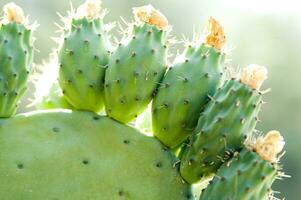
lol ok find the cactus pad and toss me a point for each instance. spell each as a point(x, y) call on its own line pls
point(81, 155)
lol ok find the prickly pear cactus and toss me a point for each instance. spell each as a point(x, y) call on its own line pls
point(16, 57)
point(83, 57)
point(175, 108)
point(194, 127)
point(137, 66)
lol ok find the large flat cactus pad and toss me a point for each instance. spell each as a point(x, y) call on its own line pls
point(68, 155)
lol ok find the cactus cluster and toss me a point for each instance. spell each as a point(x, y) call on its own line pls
point(86, 142)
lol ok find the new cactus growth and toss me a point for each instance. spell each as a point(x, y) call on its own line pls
point(192, 129)
point(224, 125)
point(137, 66)
point(83, 57)
point(250, 174)
point(16, 57)
point(176, 108)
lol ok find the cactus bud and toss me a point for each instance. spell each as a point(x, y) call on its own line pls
point(148, 14)
point(254, 76)
point(270, 146)
point(215, 34)
point(13, 13)
point(90, 9)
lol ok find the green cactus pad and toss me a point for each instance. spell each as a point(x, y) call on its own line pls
point(222, 128)
point(16, 57)
point(184, 92)
point(135, 70)
point(83, 58)
point(246, 177)
point(75, 155)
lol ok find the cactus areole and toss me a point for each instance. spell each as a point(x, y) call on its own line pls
point(117, 121)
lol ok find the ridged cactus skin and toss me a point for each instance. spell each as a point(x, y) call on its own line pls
point(16, 60)
point(222, 129)
point(245, 177)
point(184, 92)
point(135, 71)
point(83, 57)
point(76, 155)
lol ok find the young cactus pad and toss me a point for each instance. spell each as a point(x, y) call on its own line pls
point(16, 57)
point(194, 129)
point(176, 108)
point(250, 174)
point(137, 66)
point(224, 125)
point(83, 57)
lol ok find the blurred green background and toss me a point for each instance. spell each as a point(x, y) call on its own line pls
point(266, 32)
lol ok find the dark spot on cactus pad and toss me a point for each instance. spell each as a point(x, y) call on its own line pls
point(95, 118)
point(120, 193)
point(126, 141)
point(56, 129)
point(159, 164)
point(85, 162)
point(20, 165)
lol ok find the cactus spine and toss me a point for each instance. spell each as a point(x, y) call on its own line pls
point(186, 87)
point(222, 128)
point(137, 66)
point(16, 58)
point(250, 174)
point(83, 57)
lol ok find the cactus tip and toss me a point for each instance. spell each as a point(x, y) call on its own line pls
point(148, 14)
point(215, 35)
point(254, 76)
point(13, 13)
point(269, 146)
point(89, 9)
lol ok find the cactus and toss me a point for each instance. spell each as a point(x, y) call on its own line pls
point(228, 119)
point(137, 66)
point(250, 174)
point(16, 57)
point(83, 57)
point(175, 108)
point(71, 151)
point(70, 156)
